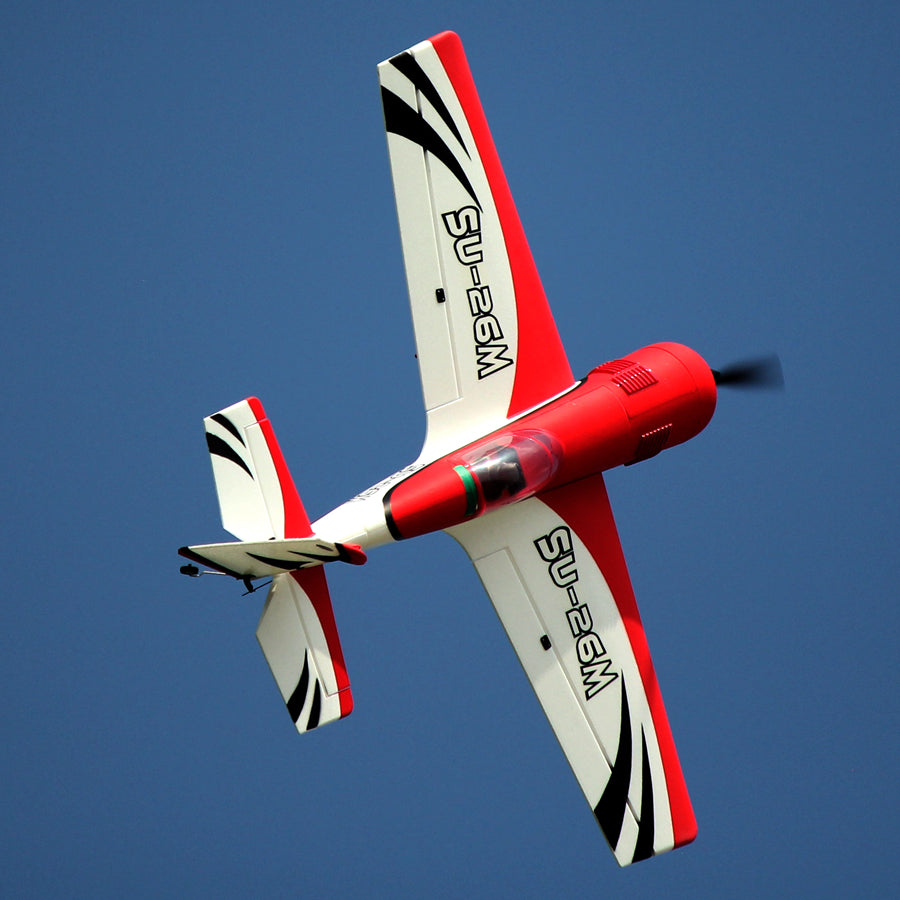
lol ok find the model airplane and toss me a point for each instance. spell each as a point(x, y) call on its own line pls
point(511, 467)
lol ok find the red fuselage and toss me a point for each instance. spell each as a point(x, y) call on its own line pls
point(623, 412)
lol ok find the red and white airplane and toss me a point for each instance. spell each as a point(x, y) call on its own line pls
point(511, 467)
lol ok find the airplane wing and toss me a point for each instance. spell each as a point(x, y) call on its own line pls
point(554, 569)
point(487, 345)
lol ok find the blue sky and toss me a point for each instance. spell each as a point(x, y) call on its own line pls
point(196, 206)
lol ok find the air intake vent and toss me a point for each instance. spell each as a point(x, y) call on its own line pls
point(651, 443)
point(634, 379)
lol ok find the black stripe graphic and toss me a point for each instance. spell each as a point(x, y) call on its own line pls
point(406, 63)
point(389, 516)
point(228, 425)
point(218, 447)
point(297, 700)
point(304, 559)
point(403, 120)
point(187, 553)
point(610, 811)
point(643, 849)
point(316, 708)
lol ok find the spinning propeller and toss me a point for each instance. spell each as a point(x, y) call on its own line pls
point(760, 372)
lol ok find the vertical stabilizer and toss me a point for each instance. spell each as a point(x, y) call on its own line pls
point(257, 497)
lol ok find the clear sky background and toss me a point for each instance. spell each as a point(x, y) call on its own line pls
point(196, 206)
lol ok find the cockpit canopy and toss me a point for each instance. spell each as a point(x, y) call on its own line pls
point(514, 467)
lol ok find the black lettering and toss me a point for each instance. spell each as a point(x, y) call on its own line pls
point(555, 548)
point(580, 621)
point(468, 249)
point(595, 678)
point(563, 571)
point(480, 301)
point(490, 359)
point(589, 648)
point(463, 221)
point(464, 225)
point(551, 546)
point(487, 328)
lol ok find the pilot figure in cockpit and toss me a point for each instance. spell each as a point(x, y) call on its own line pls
point(500, 471)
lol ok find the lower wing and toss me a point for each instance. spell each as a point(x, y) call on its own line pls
point(555, 573)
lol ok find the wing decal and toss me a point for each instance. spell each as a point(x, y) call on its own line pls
point(542, 369)
point(228, 425)
point(585, 505)
point(407, 64)
point(297, 700)
point(643, 849)
point(404, 121)
point(613, 804)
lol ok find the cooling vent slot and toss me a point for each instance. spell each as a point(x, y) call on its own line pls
point(613, 366)
point(627, 374)
point(651, 443)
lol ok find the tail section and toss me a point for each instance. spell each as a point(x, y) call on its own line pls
point(262, 559)
point(257, 497)
point(261, 507)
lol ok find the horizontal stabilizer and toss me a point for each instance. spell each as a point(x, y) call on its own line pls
point(298, 637)
point(261, 559)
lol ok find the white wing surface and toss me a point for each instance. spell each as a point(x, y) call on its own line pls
point(298, 637)
point(487, 345)
point(257, 497)
point(262, 559)
point(555, 573)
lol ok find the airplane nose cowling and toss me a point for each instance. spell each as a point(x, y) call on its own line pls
point(677, 407)
point(630, 409)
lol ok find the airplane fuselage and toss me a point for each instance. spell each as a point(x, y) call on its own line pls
point(624, 411)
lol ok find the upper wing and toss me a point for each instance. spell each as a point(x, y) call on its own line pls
point(487, 345)
point(556, 575)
